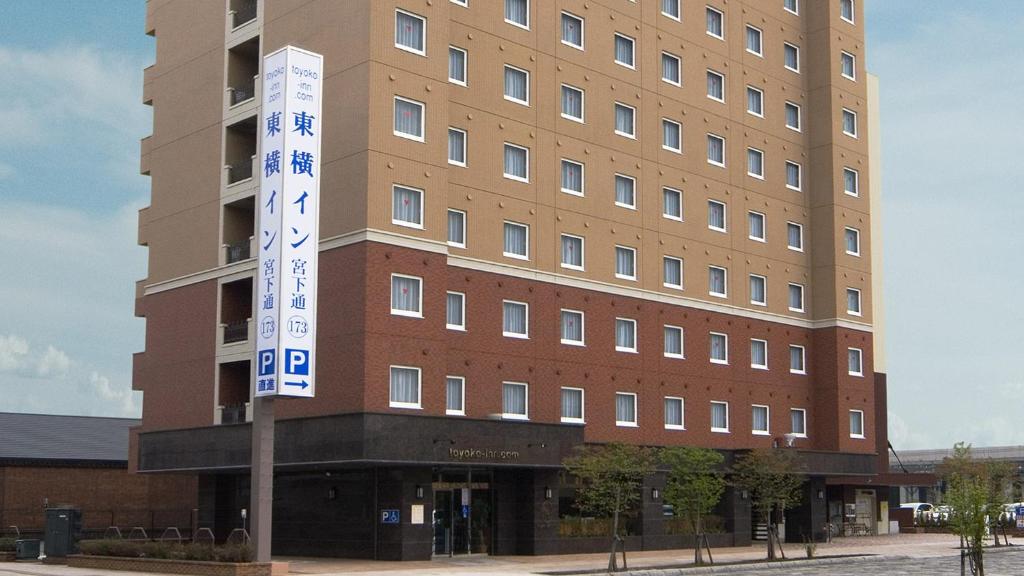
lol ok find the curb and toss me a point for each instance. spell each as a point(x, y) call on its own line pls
point(758, 566)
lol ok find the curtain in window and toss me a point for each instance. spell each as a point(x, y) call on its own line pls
point(572, 102)
point(792, 57)
point(673, 272)
point(454, 403)
point(714, 22)
point(673, 341)
point(796, 297)
point(795, 240)
point(856, 423)
point(454, 314)
point(572, 326)
point(670, 7)
point(753, 40)
point(757, 289)
point(715, 86)
point(718, 347)
point(572, 30)
point(853, 300)
point(796, 358)
point(847, 65)
point(625, 334)
point(760, 419)
point(716, 150)
point(852, 242)
point(846, 9)
point(572, 404)
point(796, 422)
point(624, 50)
point(719, 416)
point(405, 385)
point(625, 262)
point(755, 162)
point(406, 205)
point(515, 161)
point(515, 239)
point(517, 11)
point(515, 84)
point(625, 408)
point(623, 119)
point(792, 116)
point(457, 146)
point(673, 412)
point(624, 190)
point(793, 174)
point(408, 118)
point(456, 227)
point(456, 65)
point(572, 176)
point(853, 360)
point(716, 215)
point(670, 68)
point(758, 353)
point(670, 135)
point(405, 294)
point(716, 280)
point(672, 203)
point(849, 122)
point(514, 318)
point(850, 181)
point(572, 251)
point(408, 31)
point(754, 101)
point(790, 5)
point(513, 399)
point(756, 225)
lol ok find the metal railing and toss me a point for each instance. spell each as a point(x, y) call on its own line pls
point(233, 414)
point(240, 171)
point(244, 13)
point(236, 331)
point(238, 251)
point(239, 95)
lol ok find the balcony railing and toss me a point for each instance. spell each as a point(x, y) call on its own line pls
point(233, 413)
point(238, 251)
point(242, 94)
point(244, 13)
point(239, 171)
point(236, 331)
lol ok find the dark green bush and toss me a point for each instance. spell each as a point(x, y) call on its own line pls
point(6, 544)
point(166, 550)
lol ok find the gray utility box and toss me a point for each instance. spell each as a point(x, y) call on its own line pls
point(63, 529)
point(26, 549)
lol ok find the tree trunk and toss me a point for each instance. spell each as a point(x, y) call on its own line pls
point(979, 562)
point(612, 562)
point(771, 542)
point(698, 550)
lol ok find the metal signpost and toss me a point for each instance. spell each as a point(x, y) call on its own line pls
point(289, 210)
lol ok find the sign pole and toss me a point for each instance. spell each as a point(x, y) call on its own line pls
point(261, 489)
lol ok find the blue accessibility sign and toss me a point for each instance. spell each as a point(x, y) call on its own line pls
point(389, 516)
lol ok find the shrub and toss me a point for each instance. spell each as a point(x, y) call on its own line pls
point(6, 544)
point(166, 550)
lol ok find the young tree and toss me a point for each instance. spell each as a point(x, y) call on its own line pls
point(973, 493)
point(773, 478)
point(694, 487)
point(611, 477)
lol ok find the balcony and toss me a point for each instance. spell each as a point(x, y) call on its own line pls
point(236, 331)
point(234, 413)
point(242, 12)
point(243, 77)
point(240, 152)
point(236, 325)
point(238, 251)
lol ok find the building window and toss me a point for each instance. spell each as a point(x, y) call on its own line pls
point(517, 241)
point(719, 416)
point(463, 3)
point(517, 85)
point(759, 425)
point(795, 236)
point(793, 116)
point(716, 150)
point(455, 318)
point(791, 57)
point(796, 298)
point(515, 322)
point(625, 335)
point(410, 32)
point(758, 290)
point(848, 65)
point(517, 13)
point(846, 10)
point(849, 123)
point(408, 119)
point(625, 409)
point(407, 206)
point(572, 327)
point(572, 252)
point(797, 359)
point(625, 120)
point(794, 174)
point(754, 41)
point(853, 302)
point(670, 8)
point(624, 53)
point(673, 342)
point(716, 215)
point(457, 65)
point(719, 348)
point(716, 86)
point(717, 281)
point(856, 423)
point(517, 163)
point(674, 413)
point(670, 69)
point(456, 228)
point(456, 146)
point(406, 296)
point(756, 226)
point(755, 101)
point(759, 354)
point(672, 204)
point(572, 30)
point(405, 387)
point(755, 163)
point(572, 177)
point(625, 263)
point(852, 241)
point(514, 401)
point(625, 191)
point(455, 398)
point(572, 405)
point(854, 361)
point(851, 182)
point(715, 26)
point(798, 422)
point(572, 103)
point(673, 273)
point(671, 136)
point(791, 6)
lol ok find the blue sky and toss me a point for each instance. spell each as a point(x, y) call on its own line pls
point(71, 118)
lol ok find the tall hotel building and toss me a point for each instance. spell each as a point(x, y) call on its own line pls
point(544, 223)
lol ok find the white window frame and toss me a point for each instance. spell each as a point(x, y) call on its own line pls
point(796, 11)
point(790, 246)
point(526, 307)
point(860, 436)
point(419, 304)
point(526, 401)
point(583, 253)
point(803, 417)
point(583, 328)
point(583, 177)
point(517, 24)
point(860, 302)
point(465, 225)
point(405, 223)
point(410, 49)
point(682, 342)
point(856, 123)
point(803, 299)
point(713, 360)
point(513, 176)
point(722, 139)
point(856, 234)
point(419, 389)
point(721, 17)
point(860, 362)
point(512, 254)
point(583, 406)
point(853, 11)
point(725, 272)
point(679, 127)
point(513, 99)
point(633, 180)
point(767, 421)
point(423, 120)
point(799, 117)
point(679, 11)
point(631, 136)
point(856, 182)
point(760, 94)
point(448, 411)
point(786, 66)
point(682, 413)
point(764, 227)
point(726, 429)
point(761, 154)
point(583, 104)
point(465, 145)
point(679, 69)
point(677, 192)
point(803, 359)
point(711, 72)
point(853, 60)
point(459, 327)
point(463, 3)
point(583, 30)
point(635, 263)
point(465, 67)
point(764, 279)
point(760, 41)
point(799, 177)
point(725, 217)
point(752, 364)
point(636, 411)
point(632, 42)
point(664, 281)
point(636, 337)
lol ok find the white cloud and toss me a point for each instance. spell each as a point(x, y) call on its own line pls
point(121, 397)
point(13, 351)
point(53, 364)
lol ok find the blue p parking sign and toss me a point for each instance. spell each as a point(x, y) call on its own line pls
point(389, 517)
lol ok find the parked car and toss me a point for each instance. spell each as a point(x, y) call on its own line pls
point(922, 510)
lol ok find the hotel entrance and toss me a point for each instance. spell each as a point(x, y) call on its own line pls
point(463, 512)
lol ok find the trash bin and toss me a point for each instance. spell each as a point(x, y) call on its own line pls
point(63, 529)
point(26, 549)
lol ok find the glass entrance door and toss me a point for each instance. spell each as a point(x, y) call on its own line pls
point(463, 517)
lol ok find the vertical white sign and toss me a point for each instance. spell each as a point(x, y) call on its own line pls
point(289, 208)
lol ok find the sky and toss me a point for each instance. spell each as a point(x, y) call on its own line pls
point(71, 117)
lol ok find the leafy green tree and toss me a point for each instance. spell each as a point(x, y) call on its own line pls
point(610, 480)
point(974, 490)
point(773, 478)
point(694, 487)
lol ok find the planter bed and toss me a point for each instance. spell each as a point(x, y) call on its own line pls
point(162, 566)
point(7, 557)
